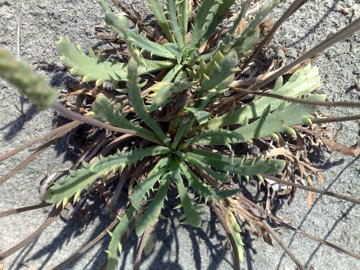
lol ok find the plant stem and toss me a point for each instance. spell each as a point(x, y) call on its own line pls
point(53, 133)
point(219, 212)
point(141, 247)
point(292, 9)
point(53, 214)
point(346, 104)
point(342, 34)
point(320, 191)
point(25, 162)
point(297, 230)
point(336, 119)
point(282, 244)
point(23, 209)
point(90, 121)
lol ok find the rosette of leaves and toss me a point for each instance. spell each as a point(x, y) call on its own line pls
point(185, 155)
point(187, 144)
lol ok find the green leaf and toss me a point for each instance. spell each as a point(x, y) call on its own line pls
point(153, 210)
point(245, 48)
point(218, 16)
point(148, 66)
point(183, 17)
point(81, 179)
point(201, 116)
point(195, 182)
point(279, 120)
point(100, 70)
point(103, 110)
point(218, 176)
point(237, 166)
point(181, 131)
point(259, 17)
point(171, 10)
point(138, 103)
point(235, 232)
point(123, 228)
point(154, 176)
point(214, 137)
point(225, 45)
point(90, 67)
point(119, 24)
point(172, 73)
point(203, 17)
point(300, 83)
point(163, 91)
point(161, 19)
point(192, 217)
point(173, 48)
point(30, 84)
point(221, 73)
point(222, 194)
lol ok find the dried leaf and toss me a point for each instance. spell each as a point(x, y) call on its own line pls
point(241, 27)
point(266, 26)
point(332, 144)
point(310, 199)
point(280, 152)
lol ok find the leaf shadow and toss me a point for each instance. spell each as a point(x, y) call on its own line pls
point(307, 215)
point(15, 126)
point(317, 25)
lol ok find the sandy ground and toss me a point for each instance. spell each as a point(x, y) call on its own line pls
point(41, 24)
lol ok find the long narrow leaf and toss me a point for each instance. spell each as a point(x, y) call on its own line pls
point(225, 45)
point(138, 103)
point(153, 210)
point(93, 68)
point(195, 182)
point(183, 17)
point(259, 17)
point(300, 83)
point(89, 66)
point(115, 244)
point(236, 165)
point(103, 110)
point(171, 9)
point(163, 91)
point(192, 217)
point(142, 189)
point(172, 73)
point(161, 19)
point(280, 120)
point(119, 24)
point(224, 69)
point(214, 137)
point(77, 181)
point(202, 166)
point(204, 12)
point(219, 16)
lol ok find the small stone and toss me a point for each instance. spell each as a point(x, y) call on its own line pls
point(357, 85)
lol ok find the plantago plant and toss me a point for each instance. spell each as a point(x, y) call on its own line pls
point(178, 98)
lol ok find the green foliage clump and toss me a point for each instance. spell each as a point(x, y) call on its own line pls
point(194, 131)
